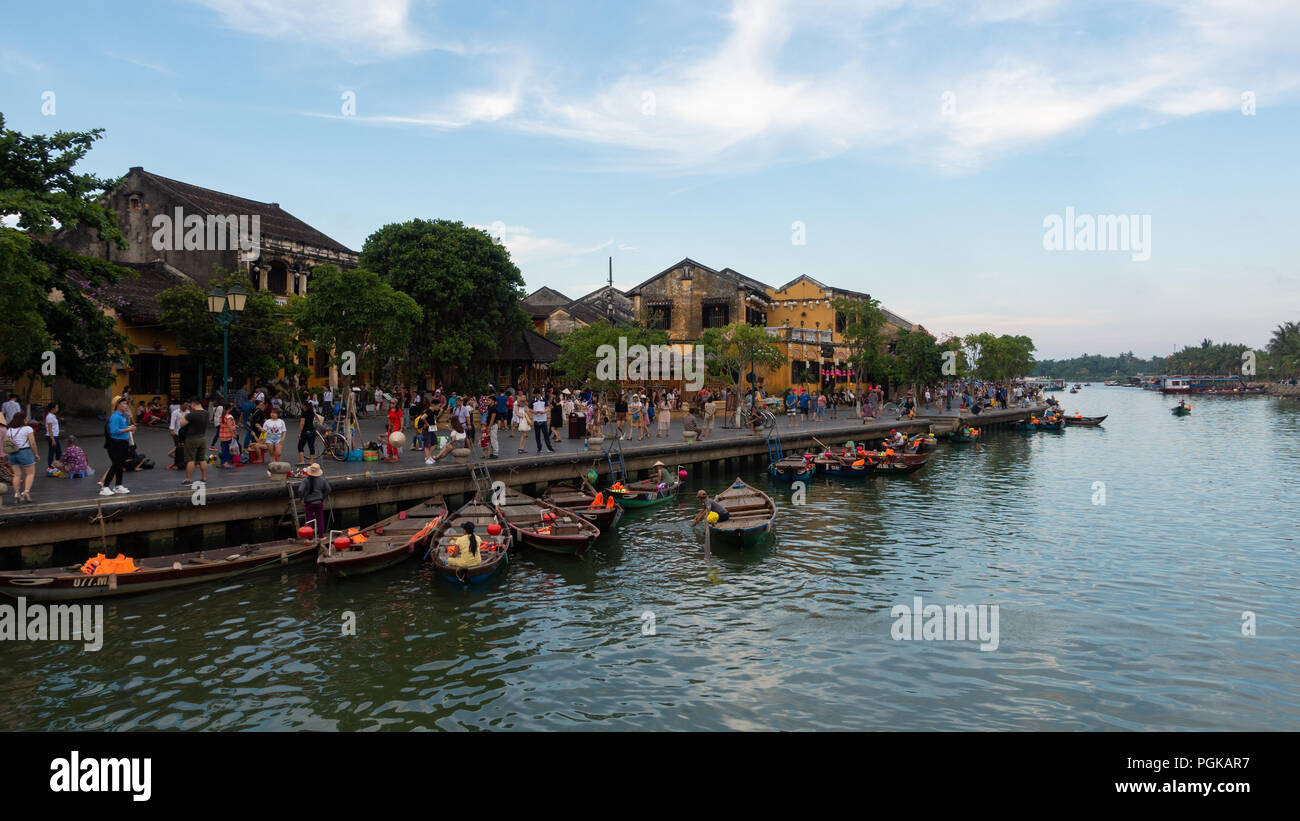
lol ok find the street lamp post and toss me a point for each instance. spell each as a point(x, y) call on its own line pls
point(227, 306)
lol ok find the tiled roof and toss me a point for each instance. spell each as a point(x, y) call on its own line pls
point(137, 297)
point(726, 273)
point(545, 296)
point(274, 220)
point(527, 346)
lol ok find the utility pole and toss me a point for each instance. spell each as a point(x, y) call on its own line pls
point(609, 294)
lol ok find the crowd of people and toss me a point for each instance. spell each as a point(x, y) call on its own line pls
point(257, 426)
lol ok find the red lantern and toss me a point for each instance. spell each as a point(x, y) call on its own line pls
point(342, 543)
point(306, 532)
point(494, 529)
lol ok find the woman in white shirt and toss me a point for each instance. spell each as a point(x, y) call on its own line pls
point(52, 433)
point(274, 428)
point(456, 440)
point(522, 421)
point(23, 460)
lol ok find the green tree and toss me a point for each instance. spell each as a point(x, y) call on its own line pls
point(52, 299)
point(355, 312)
point(961, 366)
point(580, 350)
point(1284, 350)
point(1001, 358)
point(263, 341)
point(920, 360)
point(737, 350)
point(865, 336)
point(464, 282)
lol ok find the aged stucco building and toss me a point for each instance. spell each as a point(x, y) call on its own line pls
point(178, 233)
point(687, 298)
point(803, 318)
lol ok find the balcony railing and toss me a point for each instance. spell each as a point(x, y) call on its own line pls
point(811, 336)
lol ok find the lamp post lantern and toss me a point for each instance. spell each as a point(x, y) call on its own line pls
point(226, 306)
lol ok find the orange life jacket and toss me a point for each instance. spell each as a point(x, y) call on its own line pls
point(609, 503)
point(355, 535)
point(599, 501)
point(101, 565)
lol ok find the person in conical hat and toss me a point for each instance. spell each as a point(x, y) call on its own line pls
point(663, 476)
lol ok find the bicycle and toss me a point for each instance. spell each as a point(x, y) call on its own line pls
point(335, 443)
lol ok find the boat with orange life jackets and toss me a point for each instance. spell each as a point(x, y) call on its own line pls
point(596, 506)
point(845, 464)
point(889, 461)
point(389, 541)
point(121, 575)
point(647, 492)
point(495, 541)
point(545, 526)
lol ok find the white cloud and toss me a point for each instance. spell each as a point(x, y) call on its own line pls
point(789, 82)
point(135, 61)
point(526, 248)
point(382, 26)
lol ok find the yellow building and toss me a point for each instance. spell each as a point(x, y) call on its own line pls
point(275, 250)
point(802, 317)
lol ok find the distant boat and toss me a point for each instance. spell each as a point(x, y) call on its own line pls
point(792, 468)
point(1181, 410)
point(1084, 421)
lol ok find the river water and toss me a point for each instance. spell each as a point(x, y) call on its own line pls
point(1123, 611)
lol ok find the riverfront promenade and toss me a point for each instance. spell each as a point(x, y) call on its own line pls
point(159, 505)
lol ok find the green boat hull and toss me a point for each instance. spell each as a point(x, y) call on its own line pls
point(633, 504)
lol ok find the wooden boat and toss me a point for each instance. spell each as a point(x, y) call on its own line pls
point(1025, 424)
point(1084, 421)
point(645, 493)
point(156, 572)
point(963, 434)
point(493, 550)
point(385, 543)
point(1052, 423)
point(578, 497)
point(540, 524)
point(1074, 390)
point(896, 463)
point(752, 513)
point(842, 465)
point(792, 468)
point(1181, 410)
point(921, 443)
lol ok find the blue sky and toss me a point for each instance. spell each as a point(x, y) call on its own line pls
point(921, 145)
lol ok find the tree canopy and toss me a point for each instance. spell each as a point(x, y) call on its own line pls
point(463, 281)
point(1001, 358)
point(262, 339)
point(578, 349)
point(355, 311)
point(919, 359)
point(737, 350)
point(50, 296)
point(864, 334)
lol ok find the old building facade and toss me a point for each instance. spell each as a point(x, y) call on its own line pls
point(178, 233)
point(804, 320)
